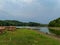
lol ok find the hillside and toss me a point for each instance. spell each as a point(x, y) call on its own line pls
point(55, 23)
point(19, 23)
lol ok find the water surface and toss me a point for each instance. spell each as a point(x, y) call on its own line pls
point(41, 29)
point(45, 30)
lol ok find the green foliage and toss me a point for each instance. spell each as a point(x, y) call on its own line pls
point(55, 23)
point(17, 23)
point(33, 24)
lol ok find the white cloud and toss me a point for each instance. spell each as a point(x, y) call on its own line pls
point(27, 1)
point(30, 8)
point(1, 7)
point(21, 1)
point(1, 4)
point(13, 1)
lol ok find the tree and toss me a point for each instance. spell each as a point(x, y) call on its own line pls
point(55, 23)
point(33, 24)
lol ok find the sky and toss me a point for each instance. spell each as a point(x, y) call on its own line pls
point(42, 11)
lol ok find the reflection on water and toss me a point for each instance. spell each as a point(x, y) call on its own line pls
point(42, 29)
point(38, 28)
point(54, 31)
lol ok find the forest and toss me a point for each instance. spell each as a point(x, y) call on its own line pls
point(55, 23)
point(18, 23)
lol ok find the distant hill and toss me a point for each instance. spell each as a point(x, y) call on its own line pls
point(55, 23)
point(19, 23)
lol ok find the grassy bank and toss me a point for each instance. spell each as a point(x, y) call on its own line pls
point(26, 37)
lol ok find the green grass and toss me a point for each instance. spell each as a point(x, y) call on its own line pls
point(26, 37)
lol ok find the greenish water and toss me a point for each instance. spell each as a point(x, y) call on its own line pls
point(45, 30)
point(41, 29)
point(53, 30)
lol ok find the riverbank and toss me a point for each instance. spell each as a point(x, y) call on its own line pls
point(27, 37)
point(55, 28)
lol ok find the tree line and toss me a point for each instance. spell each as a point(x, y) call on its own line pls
point(55, 23)
point(17, 23)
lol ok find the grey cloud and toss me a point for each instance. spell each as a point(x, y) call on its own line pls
point(41, 11)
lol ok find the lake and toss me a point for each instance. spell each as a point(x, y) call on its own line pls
point(45, 30)
point(41, 29)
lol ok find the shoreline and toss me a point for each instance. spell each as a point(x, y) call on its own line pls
point(49, 35)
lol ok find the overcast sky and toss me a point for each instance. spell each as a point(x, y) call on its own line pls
point(41, 11)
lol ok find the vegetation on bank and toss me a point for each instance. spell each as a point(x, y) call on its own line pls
point(19, 23)
point(26, 37)
point(55, 23)
point(55, 26)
